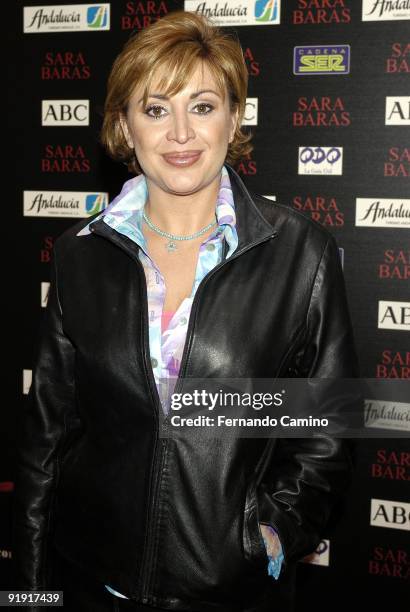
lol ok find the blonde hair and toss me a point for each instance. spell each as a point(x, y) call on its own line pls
point(174, 44)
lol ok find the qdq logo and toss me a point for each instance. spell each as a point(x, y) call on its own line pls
point(383, 414)
point(385, 10)
point(398, 110)
point(44, 289)
point(321, 59)
point(63, 203)
point(251, 112)
point(27, 378)
point(320, 161)
point(394, 315)
point(391, 514)
point(61, 113)
point(382, 213)
point(320, 556)
point(237, 12)
point(66, 18)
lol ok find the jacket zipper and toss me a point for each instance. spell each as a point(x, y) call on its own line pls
point(155, 471)
point(184, 358)
point(103, 229)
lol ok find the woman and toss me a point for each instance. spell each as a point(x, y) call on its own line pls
point(186, 274)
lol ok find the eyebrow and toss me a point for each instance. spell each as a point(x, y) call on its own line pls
point(193, 95)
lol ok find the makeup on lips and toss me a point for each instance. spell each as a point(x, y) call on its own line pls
point(182, 158)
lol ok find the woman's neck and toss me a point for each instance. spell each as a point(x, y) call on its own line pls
point(182, 214)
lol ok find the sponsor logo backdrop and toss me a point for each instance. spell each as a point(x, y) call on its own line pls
point(329, 107)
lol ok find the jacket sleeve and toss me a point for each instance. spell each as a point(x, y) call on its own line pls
point(306, 477)
point(43, 425)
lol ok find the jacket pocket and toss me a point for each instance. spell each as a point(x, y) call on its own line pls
point(253, 544)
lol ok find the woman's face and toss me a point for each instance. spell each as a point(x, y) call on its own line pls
point(186, 122)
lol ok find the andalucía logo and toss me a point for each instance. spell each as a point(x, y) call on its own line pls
point(63, 203)
point(66, 18)
point(385, 10)
point(95, 202)
point(382, 213)
point(321, 59)
point(266, 10)
point(97, 17)
point(237, 12)
point(382, 414)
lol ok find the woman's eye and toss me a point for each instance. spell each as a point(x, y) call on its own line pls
point(205, 104)
point(155, 108)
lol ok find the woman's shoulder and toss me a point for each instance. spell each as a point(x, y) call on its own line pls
point(68, 236)
point(286, 219)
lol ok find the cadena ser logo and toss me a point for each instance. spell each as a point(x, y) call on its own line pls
point(66, 18)
point(321, 59)
point(237, 12)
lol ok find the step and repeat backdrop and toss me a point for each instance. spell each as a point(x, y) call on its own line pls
point(329, 107)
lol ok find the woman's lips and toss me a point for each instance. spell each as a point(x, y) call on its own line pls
point(183, 159)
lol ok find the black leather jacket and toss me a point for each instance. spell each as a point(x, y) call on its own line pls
point(172, 524)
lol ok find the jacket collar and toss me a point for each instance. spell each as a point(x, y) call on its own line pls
point(125, 213)
point(251, 225)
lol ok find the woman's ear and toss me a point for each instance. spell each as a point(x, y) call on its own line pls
point(125, 130)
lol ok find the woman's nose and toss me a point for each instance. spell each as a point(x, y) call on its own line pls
point(181, 129)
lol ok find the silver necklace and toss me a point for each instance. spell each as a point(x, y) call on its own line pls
point(171, 246)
